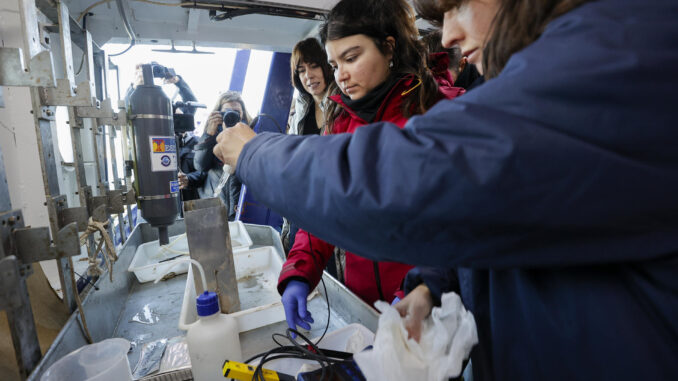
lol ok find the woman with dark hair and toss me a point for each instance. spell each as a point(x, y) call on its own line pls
point(552, 187)
point(380, 67)
point(312, 77)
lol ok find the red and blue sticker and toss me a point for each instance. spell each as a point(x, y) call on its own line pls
point(163, 153)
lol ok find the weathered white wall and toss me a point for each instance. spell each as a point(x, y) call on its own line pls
point(18, 139)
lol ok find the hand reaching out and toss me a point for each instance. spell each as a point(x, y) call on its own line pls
point(414, 308)
point(230, 143)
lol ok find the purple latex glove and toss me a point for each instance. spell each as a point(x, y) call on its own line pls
point(294, 302)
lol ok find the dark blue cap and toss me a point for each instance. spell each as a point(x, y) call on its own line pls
point(207, 303)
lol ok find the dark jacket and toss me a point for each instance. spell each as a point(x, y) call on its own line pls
point(370, 280)
point(205, 161)
point(196, 179)
point(557, 202)
point(186, 95)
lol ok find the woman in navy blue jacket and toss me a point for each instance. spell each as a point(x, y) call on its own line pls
point(553, 187)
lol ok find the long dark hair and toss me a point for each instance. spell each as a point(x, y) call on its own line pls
point(517, 24)
point(311, 52)
point(379, 19)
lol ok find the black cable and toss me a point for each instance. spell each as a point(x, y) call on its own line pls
point(82, 61)
point(297, 350)
point(327, 299)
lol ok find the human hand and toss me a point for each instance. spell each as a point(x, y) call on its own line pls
point(171, 80)
point(213, 122)
point(183, 180)
point(138, 76)
point(231, 141)
point(414, 308)
point(294, 303)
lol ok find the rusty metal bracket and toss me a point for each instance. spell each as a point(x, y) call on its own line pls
point(35, 245)
point(9, 220)
point(99, 214)
point(113, 202)
point(62, 95)
point(13, 71)
point(129, 197)
point(78, 215)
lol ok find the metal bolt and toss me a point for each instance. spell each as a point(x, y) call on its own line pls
point(49, 112)
point(11, 220)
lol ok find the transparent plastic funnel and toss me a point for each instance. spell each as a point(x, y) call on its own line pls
point(102, 361)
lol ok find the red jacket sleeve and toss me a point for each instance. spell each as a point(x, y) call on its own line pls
point(302, 263)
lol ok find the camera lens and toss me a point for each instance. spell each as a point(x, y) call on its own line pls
point(230, 117)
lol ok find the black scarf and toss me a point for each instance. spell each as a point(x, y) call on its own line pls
point(368, 106)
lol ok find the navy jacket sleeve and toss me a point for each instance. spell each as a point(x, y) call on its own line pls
point(555, 162)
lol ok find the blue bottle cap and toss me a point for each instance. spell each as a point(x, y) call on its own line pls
point(207, 303)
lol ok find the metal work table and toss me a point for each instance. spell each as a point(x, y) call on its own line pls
point(109, 311)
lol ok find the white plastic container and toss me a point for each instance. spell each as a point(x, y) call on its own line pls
point(212, 339)
point(102, 361)
point(257, 271)
point(240, 239)
point(147, 265)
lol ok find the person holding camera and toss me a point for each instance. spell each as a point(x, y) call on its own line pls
point(205, 160)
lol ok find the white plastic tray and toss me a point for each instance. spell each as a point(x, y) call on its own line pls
point(146, 264)
point(257, 271)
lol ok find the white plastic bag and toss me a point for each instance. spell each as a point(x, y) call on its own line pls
point(447, 337)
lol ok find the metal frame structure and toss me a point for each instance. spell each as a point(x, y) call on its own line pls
point(93, 123)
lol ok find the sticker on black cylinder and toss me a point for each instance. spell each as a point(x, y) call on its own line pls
point(174, 186)
point(163, 153)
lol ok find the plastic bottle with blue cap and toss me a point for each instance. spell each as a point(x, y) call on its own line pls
point(213, 338)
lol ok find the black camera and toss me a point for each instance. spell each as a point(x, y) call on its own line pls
point(160, 71)
point(183, 123)
point(230, 117)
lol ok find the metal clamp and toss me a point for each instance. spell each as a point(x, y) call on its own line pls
point(129, 197)
point(13, 72)
point(103, 114)
point(62, 95)
point(34, 244)
point(77, 215)
point(113, 201)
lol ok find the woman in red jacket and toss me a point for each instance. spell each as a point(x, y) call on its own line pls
point(380, 67)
